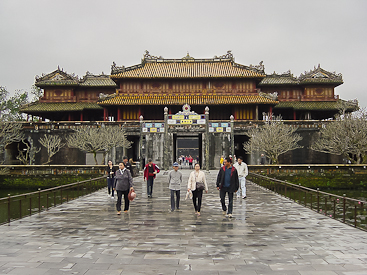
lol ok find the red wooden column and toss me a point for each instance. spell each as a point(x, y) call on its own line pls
point(270, 111)
point(294, 115)
point(118, 114)
point(81, 116)
point(105, 114)
point(69, 117)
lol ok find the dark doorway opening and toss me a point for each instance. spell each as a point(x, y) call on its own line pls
point(188, 146)
point(238, 147)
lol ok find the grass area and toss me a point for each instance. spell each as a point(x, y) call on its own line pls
point(325, 181)
point(33, 182)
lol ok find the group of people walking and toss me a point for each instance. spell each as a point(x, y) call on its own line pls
point(230, 179)
point(187, 161)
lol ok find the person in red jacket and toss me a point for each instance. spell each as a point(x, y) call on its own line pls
point(150, 171)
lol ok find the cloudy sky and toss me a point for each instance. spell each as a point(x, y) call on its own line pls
point(79, 36)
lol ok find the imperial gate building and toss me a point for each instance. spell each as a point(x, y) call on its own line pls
point(201, 107)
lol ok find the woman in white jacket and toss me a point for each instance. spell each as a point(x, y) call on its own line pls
point(197, 177)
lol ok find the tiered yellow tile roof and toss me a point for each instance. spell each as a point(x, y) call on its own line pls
point(188, 70)
point(188, 67)
point(185, 99)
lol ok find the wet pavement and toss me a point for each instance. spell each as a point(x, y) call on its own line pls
point(267, 235)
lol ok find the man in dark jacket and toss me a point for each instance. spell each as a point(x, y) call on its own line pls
point(128, 165)
point(227, 182)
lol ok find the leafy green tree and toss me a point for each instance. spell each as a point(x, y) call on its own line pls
point(10, 106)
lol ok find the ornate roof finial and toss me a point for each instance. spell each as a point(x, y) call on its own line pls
point(187, 57)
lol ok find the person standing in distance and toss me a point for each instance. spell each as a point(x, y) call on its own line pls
point(123, 184)
point(227, 182)
point(242, 171)
point(127, 165)
point(150, 171)
point(110, 169)
point(175, 180)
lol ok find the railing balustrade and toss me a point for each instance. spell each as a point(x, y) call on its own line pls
point(19, 206)
point(347, 210)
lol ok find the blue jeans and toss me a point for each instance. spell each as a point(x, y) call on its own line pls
point(173, 192)
point(223, 200)
point(150, 186)
point(110, 186)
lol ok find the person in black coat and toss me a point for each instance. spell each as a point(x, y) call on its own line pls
point(127, 165)
point(110, 170)
point(227, 182)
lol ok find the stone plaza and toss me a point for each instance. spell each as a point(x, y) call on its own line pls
point(268, 234)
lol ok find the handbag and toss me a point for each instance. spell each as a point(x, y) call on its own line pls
point(132, 195)
point(200, 186)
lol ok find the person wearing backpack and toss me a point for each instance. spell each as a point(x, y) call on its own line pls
point(197, 184)
point(227, 182)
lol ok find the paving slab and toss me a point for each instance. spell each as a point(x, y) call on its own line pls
point(268, 234)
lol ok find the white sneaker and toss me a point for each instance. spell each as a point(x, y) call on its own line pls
point(230, 216)
point(108, 195)
point(112, 198)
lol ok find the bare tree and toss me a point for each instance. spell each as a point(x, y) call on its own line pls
point(346, 136)
point(115, 137)
point(93, 140)
point(10, 132)
point(274, 138)
point(89, 140)
point(53, 144)
point(28, 155)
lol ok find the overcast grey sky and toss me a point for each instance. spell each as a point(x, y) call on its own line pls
point(79, 36)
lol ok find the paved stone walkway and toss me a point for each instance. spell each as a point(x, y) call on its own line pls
point(268, 235)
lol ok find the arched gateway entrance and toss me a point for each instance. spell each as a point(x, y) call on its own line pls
point(183, 134)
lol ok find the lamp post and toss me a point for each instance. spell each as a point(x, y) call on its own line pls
point(141, 143)
point(165, 146)
point(207, 138)
point(232, 136)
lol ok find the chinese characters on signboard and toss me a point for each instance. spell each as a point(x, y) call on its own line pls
point(186, 119)
point(153, 127)
point(219, 127)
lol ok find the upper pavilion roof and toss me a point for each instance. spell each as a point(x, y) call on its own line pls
point(61, 78)
point(188, 67)
point(57, 78)
point(280, 79)
point(90, 80)
point(315, 76)
point(319, 75)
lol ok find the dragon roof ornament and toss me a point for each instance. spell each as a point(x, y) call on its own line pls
point(147, 55)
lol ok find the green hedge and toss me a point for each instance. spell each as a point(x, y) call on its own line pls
point(40, 181)
point(325, 181)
